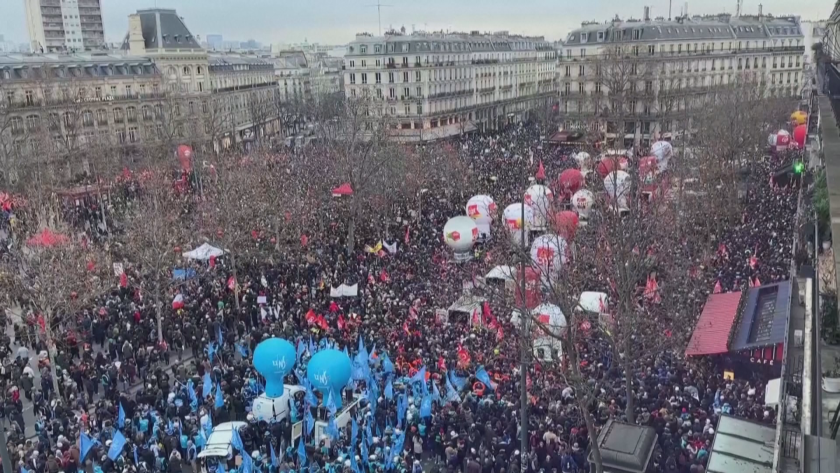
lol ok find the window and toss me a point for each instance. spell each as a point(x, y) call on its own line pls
point(408, 109)
point(390, 77)
point(379, 93)
point(392, 93)
point(352, 92)
point(405, 76)
point(417, 77)
point(569, 53)
point(364, 63)
point(581, 70)
point(582, 52)
point(118, 115)
point(33, 122)
point(651, 50)
point(406, 92)
point(568, 71)
point(600, 36)
point(352, 63)
point(377, 48)
point(120, 134)
point(201, 86)
point(113, 90)
point(132, 134)
point(598, 87)
point(580, 87)
point(419, 91)
point(363, 49)
point(378, 78)
point(352, 78)
point(419, 109)
point(131, 113)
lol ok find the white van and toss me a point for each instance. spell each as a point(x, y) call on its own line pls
point(276, 409)
point(343, 417)
point(218, 444)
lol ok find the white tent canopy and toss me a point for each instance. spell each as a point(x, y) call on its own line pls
point(345, 291)
point(504, 273)
point(469, 305)
point(203, 252)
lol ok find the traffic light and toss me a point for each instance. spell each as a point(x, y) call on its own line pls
point(798, 167)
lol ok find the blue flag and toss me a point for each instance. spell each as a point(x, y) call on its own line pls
point(220, 400)
point(242, 350)
point(353, 464)
point(23, 470)
point(457, 381)
point(301, 452)
point(310, 421)
point(117, 444)
point(435, 392)
point(274, 461)
point(426, 407)
point(331, 408)
point(481, 375)
point(451, 394)
point(219, 337)
point(312, 347)
point(389, 390)
point(387, 365)
point(247, 463)
point(309, 397)
point(210, 349)
point(332, 428)
point(121, 417)
point(85, 444)
point(354, 432)
point(236, 442)
point(136, 461)
point(301, 347)
point(717, 399)
point(221, 468)
point(362, 348)
point(207, 385)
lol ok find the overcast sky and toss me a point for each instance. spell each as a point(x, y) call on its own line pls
point(337, 21)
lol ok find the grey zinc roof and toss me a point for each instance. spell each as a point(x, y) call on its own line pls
point(163, 28)
point(689, 29)
point(423, 43)
point(625, 447)
point(742, 446)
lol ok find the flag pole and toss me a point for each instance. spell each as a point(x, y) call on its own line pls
point(524, 349)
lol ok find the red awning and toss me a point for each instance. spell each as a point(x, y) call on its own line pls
point(711, 334)
point(343, 189)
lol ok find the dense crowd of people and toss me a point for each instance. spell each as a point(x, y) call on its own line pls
point(111, 362)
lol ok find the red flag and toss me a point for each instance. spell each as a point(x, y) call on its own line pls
point(540, 172)
point(213, 261)
point(412, 313)
point(753, 261)
point(371, 279)
point(231, 283)
point(463, 356)
point(722, 251)
point(475, 319)
point(333, 307)
point(488, 315)
point(441, 364)
point(42, 323)
point(304, 240)
point(500, 334)
point(756, 282)
point(717, 289)
point(322, 322)
point(405, 328)
point(123, 280)
point(341, 323)
point(311, 317)
point(91, 265)
point(407, 231)
point(383, 276)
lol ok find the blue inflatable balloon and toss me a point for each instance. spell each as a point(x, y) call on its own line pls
point(329, 370)
point(274, 359)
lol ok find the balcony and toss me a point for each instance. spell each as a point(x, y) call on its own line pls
point(405, 66)
point(102, 122)
point(391, 65)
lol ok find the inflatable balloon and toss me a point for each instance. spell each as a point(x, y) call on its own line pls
point(610, 164)
point(800, 133)
point(274, 358)
point(780, 140)
point(481, 208)
point(460, 233)
point(328, 371)
point(550, 319)
point(539, 198)
point(185, 153)
point(548, 253)
point(617, 184)
point(584, 161)
point(571, 180)
point(663, 151)
point(582, 201)
point(798, 117)
point(566, 223)
point(513, 217)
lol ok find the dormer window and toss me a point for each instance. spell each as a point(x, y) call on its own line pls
point(363, 49)
point(571, 37)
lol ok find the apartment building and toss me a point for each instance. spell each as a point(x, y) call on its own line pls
point(304, 76)
point(222, 83)
point(684, 59)
point(440, 84)
point(74, 100)
point(64, 25)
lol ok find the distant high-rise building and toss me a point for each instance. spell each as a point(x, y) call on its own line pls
point(69, 25)
point(214, 41)
point(250, 44)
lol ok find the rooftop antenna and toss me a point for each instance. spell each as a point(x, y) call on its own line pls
point(738, 8)
point(379, 6)
point(669, 9)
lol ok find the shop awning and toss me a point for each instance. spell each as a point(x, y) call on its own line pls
point(711, 334)
point(765, 315)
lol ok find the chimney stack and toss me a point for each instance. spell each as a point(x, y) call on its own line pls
point(136, 43)
point(760, 11)
point(647, 15)
point(686, 10)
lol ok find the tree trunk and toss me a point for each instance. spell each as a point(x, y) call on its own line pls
point(351, 235)
point(50, 348)
point(235, 280)
point(630, 411)
point(593, 435)
point(159, 314)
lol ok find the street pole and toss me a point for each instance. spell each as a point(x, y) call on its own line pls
point(4, 452)
point(524, 349)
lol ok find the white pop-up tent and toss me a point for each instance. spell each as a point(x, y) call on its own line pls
point(502, 273)
point(345, 291)
point(203, 252)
